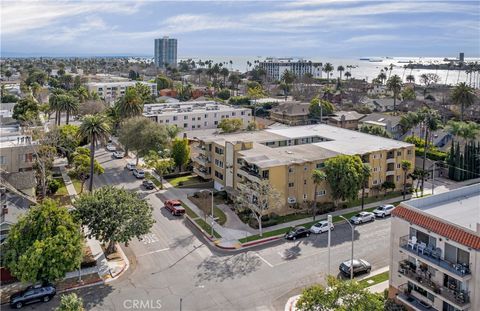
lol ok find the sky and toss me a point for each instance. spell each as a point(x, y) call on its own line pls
point(329, 28)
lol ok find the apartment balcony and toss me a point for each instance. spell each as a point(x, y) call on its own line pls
point(200, 149)
point(202, 160)
point(390, 173)
point(434, 256)
point(390, 160)
point(459, 298)
point(249, 174)
point(406, 297)
point(202, 172)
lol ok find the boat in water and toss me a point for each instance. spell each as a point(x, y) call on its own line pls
point(375, 60)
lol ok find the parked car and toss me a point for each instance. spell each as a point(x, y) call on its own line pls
point(148, 184)
point(32, 294)
point(384, 210)
point(111, 148)
point(175, 207)
point(130, 166)
point(119, 154)
point(359, 266)
point(362, 217)
point(140, 174)
point(321, 226)
point(296, 233)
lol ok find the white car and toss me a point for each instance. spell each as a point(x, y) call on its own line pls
point(119, 154)
point(140, 174)
point(362, 217)
point(321, 226)
point(130, 166)
point(111, 148)
point(384, 210)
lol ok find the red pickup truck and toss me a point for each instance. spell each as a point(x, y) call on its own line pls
point(174, 207)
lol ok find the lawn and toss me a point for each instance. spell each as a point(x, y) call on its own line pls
point(185, 180)
point(189, 212)
point(77, 184)
point(379, 278)
point(62, 194)
point(155, 181)
point(220, 216)
point(207, 227)
point(373, 199)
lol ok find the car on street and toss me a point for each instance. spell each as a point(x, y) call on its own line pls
point(111, 148)
point(321, 226)
point(139, 173)
point(119, 154)
point(174, 207)
point(148, 184)
point(359, 266)
point(32, 294)
point(130, 166)
point(384, 210)
point(296, 233)
point(362, 217)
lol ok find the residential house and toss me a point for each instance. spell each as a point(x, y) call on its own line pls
point(345, 119)
point(291, 113)
point(391, 124)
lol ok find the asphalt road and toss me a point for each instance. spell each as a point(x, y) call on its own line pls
point(172, 268)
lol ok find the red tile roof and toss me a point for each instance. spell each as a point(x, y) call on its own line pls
point(441, 228)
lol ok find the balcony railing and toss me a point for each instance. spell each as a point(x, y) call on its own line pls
point(458, 297)
point(202, 160)
point(250, 171)
point(202, 173)
point(433, 255)
point(407, 298)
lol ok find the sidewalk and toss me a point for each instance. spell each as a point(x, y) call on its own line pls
point(107, 270)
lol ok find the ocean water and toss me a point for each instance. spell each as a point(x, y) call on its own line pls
point(364, 69)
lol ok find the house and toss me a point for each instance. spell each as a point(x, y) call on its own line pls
point(291, 113)
point(380, 104)
point(345, 119)
point(435, 251)
point(168, 92)
point(12, 207)
point(391, 124)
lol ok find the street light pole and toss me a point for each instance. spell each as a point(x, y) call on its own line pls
point(329, 219)
point(211, 233)
point(353, 236)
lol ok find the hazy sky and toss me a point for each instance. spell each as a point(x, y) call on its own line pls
point(327, 28)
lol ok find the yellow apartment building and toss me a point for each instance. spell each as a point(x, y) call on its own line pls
point(287, 157)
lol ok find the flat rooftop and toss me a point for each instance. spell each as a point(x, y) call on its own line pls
point(188, 108)
point(460, 206)
point(117, 83)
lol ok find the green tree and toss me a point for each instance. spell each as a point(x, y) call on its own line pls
point(409, 121)
point(464, 96)
point(161, 165)
point(95, 129)
point(394, 84)
point(26, 110)
point(255, 92)
point(408, 93)
point(320, 107)
point(43, 245)
point(67, 103)
point(318, 177)
point(328, 68)
point(144, 92)
point(339, 295)
point(129, 105)
point(340, 70)
point(375, 130)
point(344, 175)
point(365, 176)
point(223, 94)
point(430, 120)
point(114, 215)
point(81, 166)
point(410, 78)
point(230, 125)
point(180, 152)
point(406, 167)
point(70, 302)
point(65, 139)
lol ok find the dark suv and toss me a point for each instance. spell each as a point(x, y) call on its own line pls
point(359, 266)
point(31, 294)
point(297, 232)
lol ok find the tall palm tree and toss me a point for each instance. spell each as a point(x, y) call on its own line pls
point(94, 128)
point(340, 70)
point(430, 120)
point(328, 68)
point(224, 72)
point(465, 130)
point(464, 96)
point(130, 104)
point(409, 121)
point(382, 76)
point(69, 104)
point(54, 106)
point(395, 84)
point(366, 173)
point(348, 75)
point(411, 78)
point(318, 176)
point(406, 166)
point(390, 68)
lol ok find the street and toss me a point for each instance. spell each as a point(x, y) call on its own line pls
point(172, 268)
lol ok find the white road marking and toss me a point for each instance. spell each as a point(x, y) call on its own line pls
point(264, 260)
point(153, 252)
point(149, 238)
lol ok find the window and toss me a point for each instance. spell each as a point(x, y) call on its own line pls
point(167, 121)
point(290, 170)
point(174, 118)
point(399, 153)
point(219, 175)
point(28, 158)
point(233, 114)
point(409, 152)
point(193, 119)
point(193, 126)
point(205, 123)
point(291, 184)
point(320, 165)
point(185, 117)
point(243, 113)
point(218, 150)
point(374, 182)
point(205, 116)
point(305, 196)
point(265, 174)
point(398, 177)
point(215, 122)
point(3, 160)
point(321, 193)
point(399, 165)
point(305, 168)
point(304, 181)
point(199, 118)
point(375, 169)
point(219, 163)
point(185, 125)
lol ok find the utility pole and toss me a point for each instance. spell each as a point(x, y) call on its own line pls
point(329, 219)
point(353, 236)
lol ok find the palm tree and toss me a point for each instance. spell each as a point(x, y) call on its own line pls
point(328, 68)
point(130, 104)
point(55, 106)
point(406, 166)
point(68, 104)
point(409, 121)
point(318, 176)
point(411, 78)
point(404, 69)
point(340, 70)
point(395, 84)
point(348, 75)
point(465, 130)
point(382, 76)
point(94, 128)
point(224, 72)
point(449, 65)
point(430, 120)
point(460, 65)
point(464, 96)
point(366, 173)
point(390, 68)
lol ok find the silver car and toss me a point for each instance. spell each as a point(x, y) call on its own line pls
point(384, 210)
point(362, 217)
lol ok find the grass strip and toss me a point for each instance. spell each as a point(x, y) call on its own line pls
point(155, 181)
point(207, 227)
point(189, 211)
point(379, 278)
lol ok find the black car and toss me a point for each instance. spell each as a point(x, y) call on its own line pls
point(359, 266)
point(34, 293)
point(148, 184)
point(297, 232)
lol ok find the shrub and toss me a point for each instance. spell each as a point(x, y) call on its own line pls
point(239, 100)
point(224, 94)
point(53, 185)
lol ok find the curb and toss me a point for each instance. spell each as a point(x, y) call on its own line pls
point(124, 268)
point(94, 283)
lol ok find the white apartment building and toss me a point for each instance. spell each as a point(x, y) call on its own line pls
point(435, 251)
point(195, 115)
point(110, 91)
point(275, 67)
